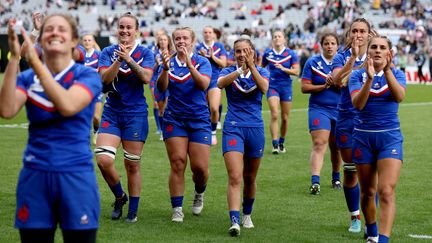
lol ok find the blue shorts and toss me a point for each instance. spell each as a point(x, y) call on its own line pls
point(160, 96)
point(322, 119)
point(369, 147)
point(247, 140)
point(45, 199)
point(284, 93)
point(197, 130)
point(213, 84)
point(127, 127)
point(344, 129)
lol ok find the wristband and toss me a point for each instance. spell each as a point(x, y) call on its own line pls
point(35, 33)
point(239, 71)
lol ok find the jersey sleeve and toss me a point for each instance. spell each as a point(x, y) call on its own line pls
point(81, 56)
point(264, 59)
point(222, 50)
point(264, 73)
point(105, 59)
point(294, 58)
point(307, 71)
point(225, 71)
point(205, 67)
point(354, 83)
point(338, 61)
point(148, 60)
point(91, 81)
point(400, 77)
point(22, 83)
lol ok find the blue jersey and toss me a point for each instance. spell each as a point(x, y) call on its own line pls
point(81, 56)
point(287, 58)
point(126, 92)
point(185, 99)
point(244, 99)
point(345, 104)
point(91, 59)
point(218, 51)
point(55, 142)
point(380, 111)
point(315, 71)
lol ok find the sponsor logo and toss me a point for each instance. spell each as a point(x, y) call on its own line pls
point(84, 219)
point(394, 151)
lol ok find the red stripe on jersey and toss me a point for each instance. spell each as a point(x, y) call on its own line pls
point(355, 91)
point(40, 105)
point(307, 81)
point(22, 90)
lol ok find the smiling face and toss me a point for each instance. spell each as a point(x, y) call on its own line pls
point(360, 31)
point(329, 46)
point(88, 42)
point(57, 36)
point(240, 48)
point(183, 38)
point(127, 30)
point(378, 50)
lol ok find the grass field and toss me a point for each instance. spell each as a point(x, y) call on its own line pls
point(284, 210)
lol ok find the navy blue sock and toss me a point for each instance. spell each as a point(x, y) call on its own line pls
point(372, 230)
point(275, 143)
point(281, 140)
point(220, 112)
point(213, 126)
point(352, 197)
point(133, 204)
point(235, 217)
point(117, 190)
point(156, 115)
point(383, 238)
point(177, 201)
point(248, 205)
point(200, 189)
point(335, 176)
point(315, 179)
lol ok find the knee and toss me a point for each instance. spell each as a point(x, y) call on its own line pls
point(386, 193)
point(274, 115)
point(105, 156)
point(235, 178)
point(249, 179)
point(178, 165)
point(132, 167)
point(319, 144)
point(214, 108)
point(367, 192)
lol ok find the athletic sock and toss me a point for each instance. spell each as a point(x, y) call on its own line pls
point(177, 201)
point(248, 205)
point(133, 204)
point(315, 179)
point(235, 217)
point(117, 190)
point(352, 198)
point(200, 189)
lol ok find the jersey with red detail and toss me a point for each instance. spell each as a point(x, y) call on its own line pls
point(287, 58)
point(381, 109)
point(345, 104)
point(218, 51)
point(49, 131)
point(244, 99)
point(185, 99)
point(125, 94)
point(91, 59)
point(315, 71)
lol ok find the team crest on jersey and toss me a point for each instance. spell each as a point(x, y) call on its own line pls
point(320, 65)
point(36, 86)
point(285, 54)
point(376, 86)
point(364, 77)
point(137, 55)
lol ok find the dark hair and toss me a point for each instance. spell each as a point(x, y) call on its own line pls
point(130, 15)
point(362, 20)
point(325, 35)
point(252, 46)
point(389, 43)
point(71, 21)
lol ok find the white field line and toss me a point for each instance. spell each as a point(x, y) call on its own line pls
point(25, 125)
point(420, 236)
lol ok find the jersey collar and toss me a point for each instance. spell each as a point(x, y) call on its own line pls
point(179, 63)
point(59, 75)
point(279, 53)
point(208, 47)
point(379, 74)
point(328, 62)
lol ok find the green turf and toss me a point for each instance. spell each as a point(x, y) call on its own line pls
point(284, 210)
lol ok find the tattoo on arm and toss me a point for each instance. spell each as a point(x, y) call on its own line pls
point(137, 69)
